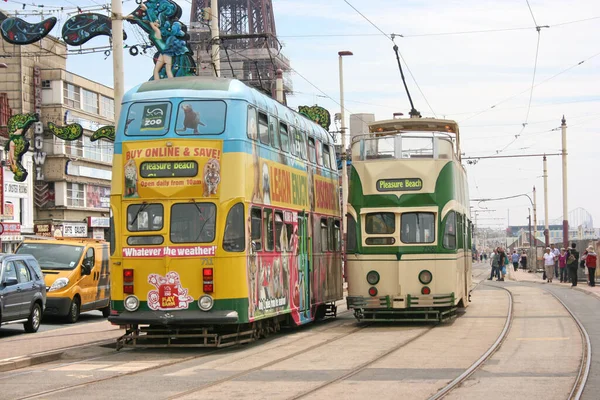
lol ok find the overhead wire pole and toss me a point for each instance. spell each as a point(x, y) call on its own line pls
point(546, 223)
point(214, 36)
point(563, 127)
point(117, 51)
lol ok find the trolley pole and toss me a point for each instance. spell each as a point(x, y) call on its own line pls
point(214, 36)
point(117, 52)
point(341, 54)
point(533, 260)
point(563, 127)
point(529, 218)
point(546, 224)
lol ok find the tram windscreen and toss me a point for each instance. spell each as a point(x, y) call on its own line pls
point(418, 227)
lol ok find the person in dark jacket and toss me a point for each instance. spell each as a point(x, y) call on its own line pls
point(572, 263)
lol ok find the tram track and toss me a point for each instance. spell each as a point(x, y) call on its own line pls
point(316, 331)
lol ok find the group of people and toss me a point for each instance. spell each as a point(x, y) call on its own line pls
point(563, 264)
point(500, 261)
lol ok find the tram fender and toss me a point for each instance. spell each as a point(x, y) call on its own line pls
point(169, 318)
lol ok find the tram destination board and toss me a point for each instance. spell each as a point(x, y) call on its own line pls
point(168, 169)
point(399, 184)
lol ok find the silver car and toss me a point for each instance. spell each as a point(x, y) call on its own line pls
point(22, 291)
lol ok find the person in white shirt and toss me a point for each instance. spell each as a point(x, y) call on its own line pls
point(556, 252)
point(549, 264)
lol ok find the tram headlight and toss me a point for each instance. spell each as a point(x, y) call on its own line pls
point(131, 303)
point(425, 277)
point(205, 303)
point(373, 277)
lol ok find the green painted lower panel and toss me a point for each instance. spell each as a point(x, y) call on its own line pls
point(239, 305)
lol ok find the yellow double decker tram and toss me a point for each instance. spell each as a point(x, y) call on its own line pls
point(222, 208)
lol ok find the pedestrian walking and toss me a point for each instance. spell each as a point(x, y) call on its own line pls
point(556, 253)
point(515, 260)
point(572, 262)
point(524, 260)
point(590, 262)
point(549, 264)
point(494, 264)
point(502, 262)
point(562, 266)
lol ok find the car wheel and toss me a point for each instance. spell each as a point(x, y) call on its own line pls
point(106, 311)
point(35, 318)
point(74, 310)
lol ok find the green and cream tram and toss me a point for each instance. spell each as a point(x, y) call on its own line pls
point(409, 228)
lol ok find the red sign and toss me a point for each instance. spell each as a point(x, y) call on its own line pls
point(169, 296)
point(11, 228)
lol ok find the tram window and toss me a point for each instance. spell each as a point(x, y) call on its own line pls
point(292, 141)
point(274, 134)
point(144, 217)
point(263, 127)
point(193, 222)
point(380, 223)
point(324, 235)
point(319, 152)
point(300, 144)
point(326, 156)
point(289, 228)
point(112, 233)
point(449, 241)
point(278, 230)
point(311, 150)
point(234, 238)
point(252, 128)
point(333, 161)
point(331, 231)
point(201, 117)
point(337, 238)
point(268, 228)
point(350, 234)
point(418, 227)
point(256, 228)
point(148, 119)
point(145, 240)
point(283, 133)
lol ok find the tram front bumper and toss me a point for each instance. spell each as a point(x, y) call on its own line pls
point(174, 318)
point(400, 302)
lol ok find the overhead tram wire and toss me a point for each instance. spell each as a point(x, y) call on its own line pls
point(391, 38)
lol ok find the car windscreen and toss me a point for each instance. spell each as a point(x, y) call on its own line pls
point(53, 256)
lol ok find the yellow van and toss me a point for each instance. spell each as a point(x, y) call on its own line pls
point(76, 272)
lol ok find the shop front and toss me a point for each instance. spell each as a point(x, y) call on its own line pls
point(11, 236)
point(99, 227)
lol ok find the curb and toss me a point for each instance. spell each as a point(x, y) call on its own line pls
point(19, 362)
point(575, 288)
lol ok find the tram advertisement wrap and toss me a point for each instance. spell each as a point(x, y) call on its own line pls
point(282, 185)
point(168, 168)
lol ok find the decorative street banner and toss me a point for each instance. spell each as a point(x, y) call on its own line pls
point(16, 31)
point(317, 114)
point(18, 144)
point(82, 27)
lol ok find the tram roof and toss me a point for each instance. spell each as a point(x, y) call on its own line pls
point(205, 87)
point(414, 125)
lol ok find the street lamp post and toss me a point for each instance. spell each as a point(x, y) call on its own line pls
point(117, 52)
point(344, 157)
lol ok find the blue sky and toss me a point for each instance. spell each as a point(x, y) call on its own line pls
point(461, 76)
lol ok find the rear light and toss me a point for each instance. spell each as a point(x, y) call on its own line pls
point(128, 281)
point(425, 290)
point(373, 291)
point(207, 280)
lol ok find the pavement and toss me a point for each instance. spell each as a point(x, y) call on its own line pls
point(536, 277)
point(23, 350)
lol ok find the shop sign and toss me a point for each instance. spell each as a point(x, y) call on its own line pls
point(9, 210)
point(11, 228)
point(99, 222)
point(98, 234)
point(43, 229)
point(15, 188)
point(39, 156)
point(74, 230)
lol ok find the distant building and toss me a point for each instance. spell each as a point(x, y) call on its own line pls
point(359, 125)
point(68, 187)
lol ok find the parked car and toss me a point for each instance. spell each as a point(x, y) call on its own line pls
point(22, 291)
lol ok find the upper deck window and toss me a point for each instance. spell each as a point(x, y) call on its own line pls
point(193, 222)
point(326, 156)
point(148, 119)
point(312, 153)
point(300, 143)
point(380, 223)
point(201, 117)
point(252, 123)
point(418, 227)
point(263, 128)
point(144, 217)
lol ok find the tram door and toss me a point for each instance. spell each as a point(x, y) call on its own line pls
point(304, 261)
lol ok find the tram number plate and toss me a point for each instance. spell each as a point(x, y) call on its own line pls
point(206, 261)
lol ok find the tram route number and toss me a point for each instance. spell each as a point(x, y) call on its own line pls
point(206, 261)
